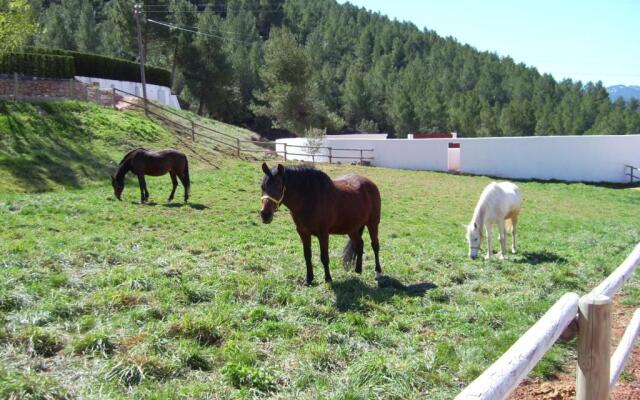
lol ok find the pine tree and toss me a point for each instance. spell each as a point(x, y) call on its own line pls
point(285, 73)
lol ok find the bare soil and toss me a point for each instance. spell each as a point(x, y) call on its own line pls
point(563, 385)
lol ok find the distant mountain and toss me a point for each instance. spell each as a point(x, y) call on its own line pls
point(623, 91)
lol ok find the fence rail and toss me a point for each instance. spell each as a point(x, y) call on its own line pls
point(234, 144)
point(597, 372)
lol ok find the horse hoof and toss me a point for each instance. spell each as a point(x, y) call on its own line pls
point(513, 251)
point(308, 282)
point(328, 280)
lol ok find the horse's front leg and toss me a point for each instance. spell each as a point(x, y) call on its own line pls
point(144, 194)
point(489, 229)
point(323, 239)
point(306, 247)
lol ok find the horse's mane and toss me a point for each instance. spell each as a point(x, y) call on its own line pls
point(129, 153)
point(306, 179)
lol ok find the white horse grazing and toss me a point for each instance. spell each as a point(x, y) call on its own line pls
point(499, 204)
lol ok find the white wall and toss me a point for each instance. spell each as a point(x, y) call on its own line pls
point(161, 94)
point(568, 158)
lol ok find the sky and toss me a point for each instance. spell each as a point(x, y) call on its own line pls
point(584, 40)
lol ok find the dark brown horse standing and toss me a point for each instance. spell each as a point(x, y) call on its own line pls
point(142, 162)
point(320, 207)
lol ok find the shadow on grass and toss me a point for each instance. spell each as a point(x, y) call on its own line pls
point(350, 292)
point(540, 257)
point(195, 206)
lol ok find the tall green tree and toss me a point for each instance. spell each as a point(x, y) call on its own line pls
point(205, 67)
point(286, 71)
point(16, 24)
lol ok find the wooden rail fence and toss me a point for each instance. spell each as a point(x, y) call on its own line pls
point(234, 145)
point(590, 318)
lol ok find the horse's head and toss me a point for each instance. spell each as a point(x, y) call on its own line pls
point(474, 237)
point(272, 191)
point(118, 187)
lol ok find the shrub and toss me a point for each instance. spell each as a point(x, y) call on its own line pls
point(98, 66)
point(41, 65)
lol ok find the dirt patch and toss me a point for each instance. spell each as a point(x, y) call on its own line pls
point(563, 386)
point(127, 102)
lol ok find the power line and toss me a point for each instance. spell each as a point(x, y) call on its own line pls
point(197, 32)
point(195, 29)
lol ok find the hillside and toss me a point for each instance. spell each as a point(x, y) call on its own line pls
point(299, 63)
point(70, 144)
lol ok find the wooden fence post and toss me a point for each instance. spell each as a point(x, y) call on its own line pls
point(238, 149)
point(285, 152)
point(113, 97)
point(193, 130)
point(594, 344)
point(360, 156)
point(330, 155)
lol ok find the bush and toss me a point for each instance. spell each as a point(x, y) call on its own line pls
point(97, 66)
point(41, 65)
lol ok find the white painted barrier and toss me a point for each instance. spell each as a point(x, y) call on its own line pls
point(161, 94)
point(566, 158)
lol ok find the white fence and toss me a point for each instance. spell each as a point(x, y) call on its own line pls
point(596, 372)
point(567, 158)
point(161, 94)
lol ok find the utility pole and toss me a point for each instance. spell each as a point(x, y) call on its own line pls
point(137, 12)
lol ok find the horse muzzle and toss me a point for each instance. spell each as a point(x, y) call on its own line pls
point(267, 217)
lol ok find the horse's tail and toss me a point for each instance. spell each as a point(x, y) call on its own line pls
point(129, 153)
point(348, 255)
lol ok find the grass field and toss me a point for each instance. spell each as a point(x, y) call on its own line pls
point(107, 299)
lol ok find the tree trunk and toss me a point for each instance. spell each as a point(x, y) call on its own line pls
point(173, 66)
point(201, 105)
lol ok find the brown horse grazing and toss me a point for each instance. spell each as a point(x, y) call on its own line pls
point(142, 162)
point(320, 207)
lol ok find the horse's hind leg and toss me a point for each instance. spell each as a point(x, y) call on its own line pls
point(185, 185)
point(375, 244)
point(174, 182)
point(323, 239)
point(358, 246)
point(144, 193)
point(514, 228)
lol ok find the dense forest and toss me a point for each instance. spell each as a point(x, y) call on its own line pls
point(301, 65)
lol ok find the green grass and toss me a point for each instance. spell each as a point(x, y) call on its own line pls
point(71, 144)
point(203, 301)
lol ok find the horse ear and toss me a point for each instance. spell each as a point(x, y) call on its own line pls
point(266, 169)
point(280, 169)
